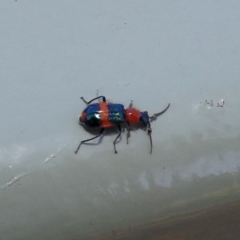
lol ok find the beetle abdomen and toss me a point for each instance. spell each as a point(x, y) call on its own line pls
point(103, 115)
point(93, 118)
point(116, 113)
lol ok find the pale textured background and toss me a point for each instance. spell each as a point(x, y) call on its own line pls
point(152, 52)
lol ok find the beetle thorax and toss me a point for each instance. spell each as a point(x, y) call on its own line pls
point(132, 115)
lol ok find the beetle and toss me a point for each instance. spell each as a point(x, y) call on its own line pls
point(104, 115)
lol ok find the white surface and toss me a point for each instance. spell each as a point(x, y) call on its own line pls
point(156, 52)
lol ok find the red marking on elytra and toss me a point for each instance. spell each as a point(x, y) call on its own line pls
point(104, 112)
point(83, 117)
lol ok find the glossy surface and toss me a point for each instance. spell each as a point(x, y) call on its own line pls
point(133, 115)
point(103, 115)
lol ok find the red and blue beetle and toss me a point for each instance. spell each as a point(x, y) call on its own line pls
point(106, 115)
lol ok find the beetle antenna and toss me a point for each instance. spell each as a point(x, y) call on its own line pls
point(149, 129)
point(154, 116)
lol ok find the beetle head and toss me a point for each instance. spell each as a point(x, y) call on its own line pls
point(145, 118)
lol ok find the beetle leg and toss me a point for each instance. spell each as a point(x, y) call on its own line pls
point(101, 131)
point(103, 99)
point(98, 96)
point(131, 104)
point(119, 134)
point(149, 130)
point(128, 131)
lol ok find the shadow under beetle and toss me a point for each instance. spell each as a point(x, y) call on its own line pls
point(106, 115)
